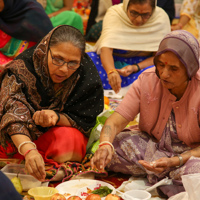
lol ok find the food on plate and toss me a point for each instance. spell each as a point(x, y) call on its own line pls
point(84, 188)
point(17, 184)
point(58, 196)
point(74, 198)
point(93, 197)
point(102, 191)
point(106, 100)
point(67, 194)
point(89, 191)
point(112, 197)
point(27, 197)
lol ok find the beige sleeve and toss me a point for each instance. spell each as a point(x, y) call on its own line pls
point(102, 9)
point(189, 7)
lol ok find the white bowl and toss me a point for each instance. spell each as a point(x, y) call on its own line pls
point(137, 194)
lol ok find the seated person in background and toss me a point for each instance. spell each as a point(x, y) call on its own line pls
point(166, 142)
point(131, 34)
point(97, 13)
point(24, 20)
point(61, 13)
point(22, 24)
point(168, 6)
point(50, 97)
point(189, 18)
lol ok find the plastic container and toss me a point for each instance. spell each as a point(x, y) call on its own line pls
point(42, 193)
point(27, 181)
point(137, 194)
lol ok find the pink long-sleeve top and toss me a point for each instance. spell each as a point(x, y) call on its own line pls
point(148, 97)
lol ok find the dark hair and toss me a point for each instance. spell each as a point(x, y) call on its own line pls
point(70, 34)
point(151, 2)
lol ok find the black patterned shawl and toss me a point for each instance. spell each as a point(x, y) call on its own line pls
point(26, 87)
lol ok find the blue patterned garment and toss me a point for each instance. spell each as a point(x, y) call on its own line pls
point(119, 63)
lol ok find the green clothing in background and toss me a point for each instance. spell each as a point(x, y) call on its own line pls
point(64, 18)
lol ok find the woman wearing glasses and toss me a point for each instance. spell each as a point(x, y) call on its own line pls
point(49, 99)
point(131, 34)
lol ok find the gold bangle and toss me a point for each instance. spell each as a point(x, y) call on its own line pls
point(111, 71)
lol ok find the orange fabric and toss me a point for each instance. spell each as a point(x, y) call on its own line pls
point(55, 142)
point(61, 140)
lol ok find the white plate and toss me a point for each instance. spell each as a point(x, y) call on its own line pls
point(75, 187)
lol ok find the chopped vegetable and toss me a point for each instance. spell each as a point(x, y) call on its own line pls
point(102, 191)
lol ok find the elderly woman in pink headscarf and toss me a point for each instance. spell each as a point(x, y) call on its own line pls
point(167, 140)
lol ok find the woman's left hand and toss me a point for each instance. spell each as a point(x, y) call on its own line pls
point(45, 118)
point(157, 166)
point(127, 70)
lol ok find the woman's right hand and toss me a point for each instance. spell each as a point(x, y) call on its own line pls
point(35, 165)
point(175, 27)
point(102, 157)
point(45, 118)
point(115, 81)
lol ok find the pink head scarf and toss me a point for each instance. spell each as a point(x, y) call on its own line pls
point(185, 46)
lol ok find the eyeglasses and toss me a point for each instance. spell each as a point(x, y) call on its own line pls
point(144, 16)
point(59, 62)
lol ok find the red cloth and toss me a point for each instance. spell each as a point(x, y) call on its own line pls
point(59, 141)
point(30, 44)
point(4, 59)
point(56, 141)
point(4, 38)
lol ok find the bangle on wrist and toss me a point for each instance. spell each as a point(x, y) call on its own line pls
point(180, 159)
point(57, 113)
point(26, 142)
point(29, 151)
point(138, 67)
point(111, 71)
point(107, 143)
